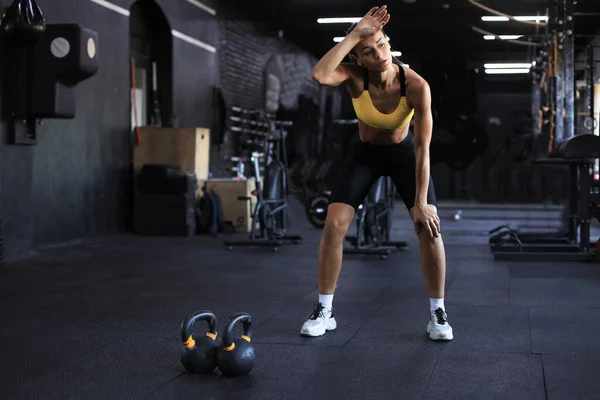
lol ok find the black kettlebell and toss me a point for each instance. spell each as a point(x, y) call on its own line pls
point(235, 357)
point(199, 355)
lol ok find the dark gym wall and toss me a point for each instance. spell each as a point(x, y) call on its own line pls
point(74, 183)
point(499, 176)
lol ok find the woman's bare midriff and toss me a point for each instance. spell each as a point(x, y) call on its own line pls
point(385, 137)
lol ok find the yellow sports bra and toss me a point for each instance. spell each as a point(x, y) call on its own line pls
point(366, 111)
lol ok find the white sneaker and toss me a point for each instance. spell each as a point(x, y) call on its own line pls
point(321, 320)
point(438, 327)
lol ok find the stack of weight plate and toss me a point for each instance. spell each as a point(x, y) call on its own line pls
point(165, 201)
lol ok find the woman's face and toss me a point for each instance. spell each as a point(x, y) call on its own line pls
point(374, 52)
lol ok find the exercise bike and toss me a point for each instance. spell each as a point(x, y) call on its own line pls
point(374, 222)
point(316, 203)
point(374, 215)
point(270, 214)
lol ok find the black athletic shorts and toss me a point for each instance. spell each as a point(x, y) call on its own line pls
point(366, 162)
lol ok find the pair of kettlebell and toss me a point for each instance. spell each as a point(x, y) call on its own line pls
point(233, 356)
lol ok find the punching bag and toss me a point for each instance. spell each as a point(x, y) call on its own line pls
point(274, 75)
point(23, 23)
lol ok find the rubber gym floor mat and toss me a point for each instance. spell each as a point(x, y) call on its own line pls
point(399, 291)
point(565, 330)
point(398, 267)
point(264, 288)
point(474, 375)
point(403, 325)
point(51, 277)
point(482, 288)
point(554, 271)
point(122, 370)
point(571, 376)
point(140, 320)
point(494, 329)
point(499, 214)
point(542, 292)
point(28, 356)
point(364, 290)
point(385, 371)
point(284, 328)
point(475, 328)
point(280, 373)
point(48, 314)
point(162, 319)
point(218, 287)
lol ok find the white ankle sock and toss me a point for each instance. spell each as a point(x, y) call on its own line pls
point(434, 304)
point(326, 300)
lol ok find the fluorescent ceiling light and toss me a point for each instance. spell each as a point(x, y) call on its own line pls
point(506, 65)
point(505, 37)
point(338, 39)
point(396, 53)
point(344, 20)
point(495, 18)
point(507, 71)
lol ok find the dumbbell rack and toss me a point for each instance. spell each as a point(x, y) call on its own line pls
point(254, 131)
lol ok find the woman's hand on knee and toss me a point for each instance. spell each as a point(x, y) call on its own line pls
point(426, 220)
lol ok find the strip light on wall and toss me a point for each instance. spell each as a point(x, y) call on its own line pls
point(193, 41)
point(496, 18)
point(506, 65)
point(505, 37)
point(498, 71)
point(177, 34)
point(202, 7)
point(112, 7)
point(507, 68)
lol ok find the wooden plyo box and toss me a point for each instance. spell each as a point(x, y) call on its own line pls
point(189, 148)
point(238, 212)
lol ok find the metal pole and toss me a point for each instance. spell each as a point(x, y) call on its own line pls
point(559, 127)
point(550, 97)
point(590, 89)
point(569, 68)
point(536, 103)
point(596, 121)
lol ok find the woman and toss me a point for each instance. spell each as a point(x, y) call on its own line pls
point(385, 96)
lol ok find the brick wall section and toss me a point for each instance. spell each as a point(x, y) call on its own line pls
point(244, 51)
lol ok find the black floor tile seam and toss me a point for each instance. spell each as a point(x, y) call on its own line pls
point(313, 376)
point(376, 310)
point(531, 340)
point(285, 305)
point(442, 351)
point(544, 375)
point(509, 307)
point(449, 347)
point(159, 387)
